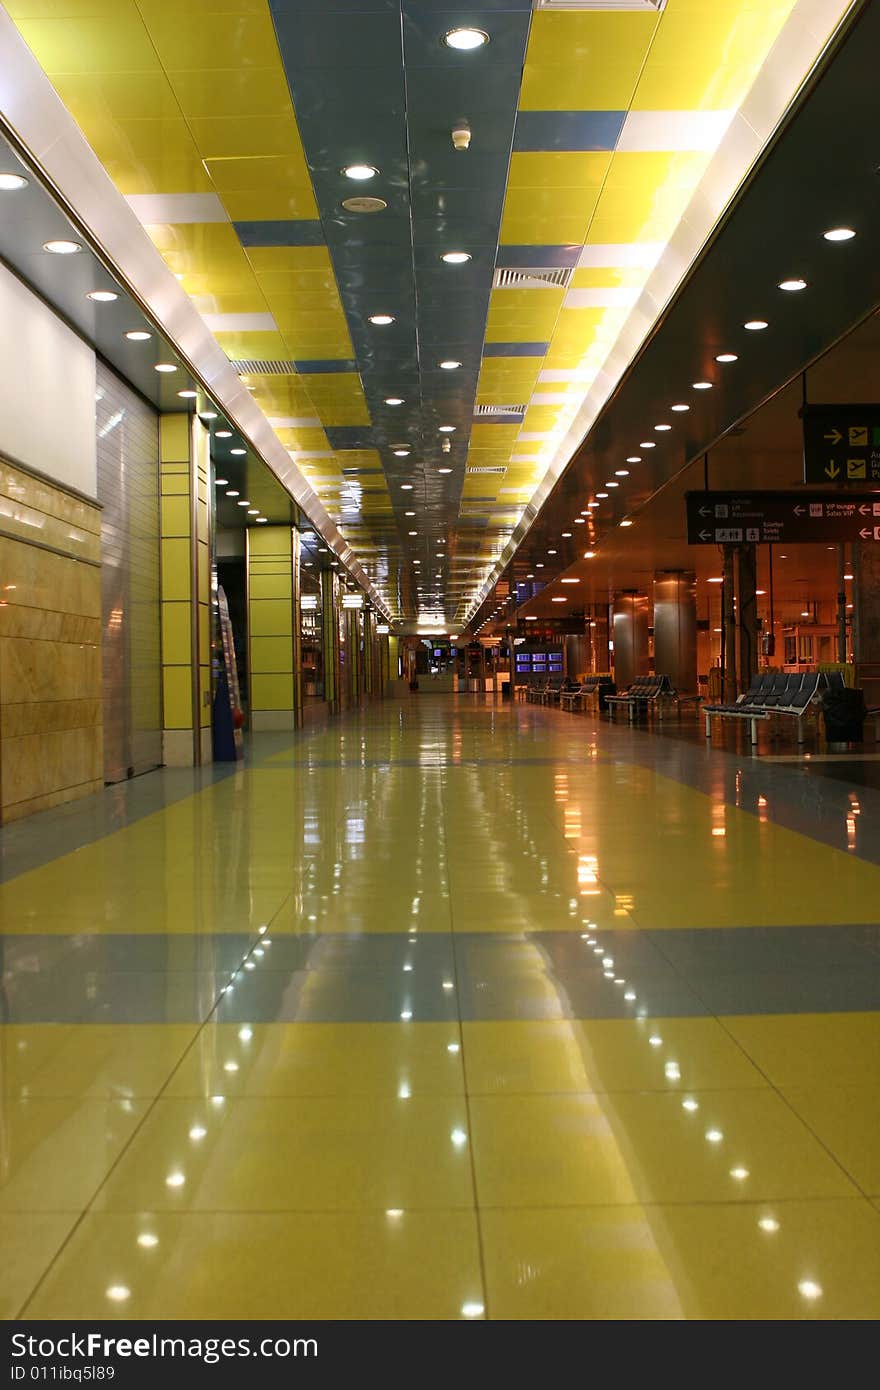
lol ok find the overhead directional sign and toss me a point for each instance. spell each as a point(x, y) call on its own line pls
point(769, 518)
point(841, 443)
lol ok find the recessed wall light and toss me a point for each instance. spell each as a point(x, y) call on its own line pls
point(360, 172)
point(138, 335)
point(381, 320)
point(701, 385)
point(449, 365)
point(165, 367)
point(726, 357)
point(62, 248)
point(465, 39)
point(839, 234)
point(755, 325)
point(455, 257)
point(102, 296)
point(796, 283)
point(11, 183)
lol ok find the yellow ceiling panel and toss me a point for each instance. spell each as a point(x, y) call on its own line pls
point(186, 40)
point(244, 137)
point(114, 41)
point(656, 171)
point(335, 386)
point(233, 93)
point(609, 277)
point(232, 302)
point(338, 413)
point(548, 204)
point(145, 155)
point(549, 230)
point(503, 384)
point(531, 322)
point(311, 284)
point(494, 436)
point(260, 173)
point(566, 169)
point(278, 204)
point(303, 439)
point(293, 306)
point(540, 417)
point(267, 347)
point(109, 97)
point(360, 458)
point(705, 58)
point(294, 259)
point(638, 215)
point(311, 347)
point(584, 61)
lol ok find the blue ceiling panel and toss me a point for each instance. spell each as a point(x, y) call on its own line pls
point(279, 233)
point(568, 130)
point(319, 40)
point(515, 349)
point(547, 256)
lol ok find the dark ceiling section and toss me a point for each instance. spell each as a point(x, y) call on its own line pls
point(821, 173)
point(373, 82)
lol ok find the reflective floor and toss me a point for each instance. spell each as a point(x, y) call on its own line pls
point(446, 1010)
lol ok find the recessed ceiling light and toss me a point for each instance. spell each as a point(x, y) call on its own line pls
point(401, 453)
point(589, 554)
point(839, 234)
point(244, 502)
point(221, 482)
point(559, 599)
point(409, 513)
point(447, 429)
point(796, 283)
point(679, 407)
point(62, 248)
point(610, 483)
point(603, 495)
point(626, 522)
point(634, 458)
point(138, 335)
point(755, 325)
point(449, 365)
point(648, 444)
point(715, 579)
point(569, 581)
point(165, 367)
point(238, 451)
point(360, 172)
point(188, 395)
point(701, 385)
point(262, 520)
point(444, 470)
point(465, 39)
point(539, 565)
point(406, 487)
point(11, 183)
point(253, 511)
point(232, 493)
point(579, 521)
point(566, 535)
point(726, 357)
point(381, 320)
point(621, 472)
point(223, 434)
point(394, 400)
point(412, 533)
point(207, 415)
point(102, 296)
point(455, 257)
point(662, 428)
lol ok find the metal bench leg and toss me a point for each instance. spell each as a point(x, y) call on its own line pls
point(800, 733)
point(708, 719)
point(753, 724)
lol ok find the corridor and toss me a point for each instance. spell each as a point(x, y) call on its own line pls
point(447, 1009)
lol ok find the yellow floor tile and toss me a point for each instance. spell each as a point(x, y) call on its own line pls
point(29, 1241)
point(812, 1049)
point(363, 912)
point(113, 1061)
point(846, 1119)
point(808, 1260)
point(257, 1266)
point(603, 1055)
point(322, 1059)
point(645, 1147)
point(502, 911)
point(56, 1153)
point(351, 1153)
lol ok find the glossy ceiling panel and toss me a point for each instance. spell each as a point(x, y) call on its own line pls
point(227, 124)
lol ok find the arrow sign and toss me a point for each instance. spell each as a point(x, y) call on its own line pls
point(705, 511)
point(799, 511)
point(865, 510)
point(835, 436)
point(842, 442)
point(866, 533)
point(809, 515)
point(832, 470)
point(705, 535)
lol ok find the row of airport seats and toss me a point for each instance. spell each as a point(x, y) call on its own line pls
point(776, 693)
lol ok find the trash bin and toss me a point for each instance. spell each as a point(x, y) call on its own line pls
point(844, 712)
point(605, 689)
point(505, 688)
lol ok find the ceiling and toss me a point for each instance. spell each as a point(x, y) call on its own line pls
point(227, 124)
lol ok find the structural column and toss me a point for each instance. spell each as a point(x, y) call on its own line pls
point(630, 620)
point(271, 629)
point(185, 591)
point(746, 616)
point(866, 619)
point(675, 628)
point(330, 639)
point(728, 628)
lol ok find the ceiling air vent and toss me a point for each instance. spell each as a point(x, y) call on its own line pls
point(253, 367)
point(499, 410)
point(532, 277)
point(501, 468)
point(600, 5)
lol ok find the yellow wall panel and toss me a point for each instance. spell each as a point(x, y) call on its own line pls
point(270, 617)
point(175, 515)
point(176, 633)
point(177, 696)
point(174, 438)
point(271, 691)
point(272, 654)
point(176, 569)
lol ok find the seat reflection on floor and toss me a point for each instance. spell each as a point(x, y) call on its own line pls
point(448, 1009)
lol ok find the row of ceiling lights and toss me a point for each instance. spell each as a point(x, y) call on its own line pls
point(792, 285)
